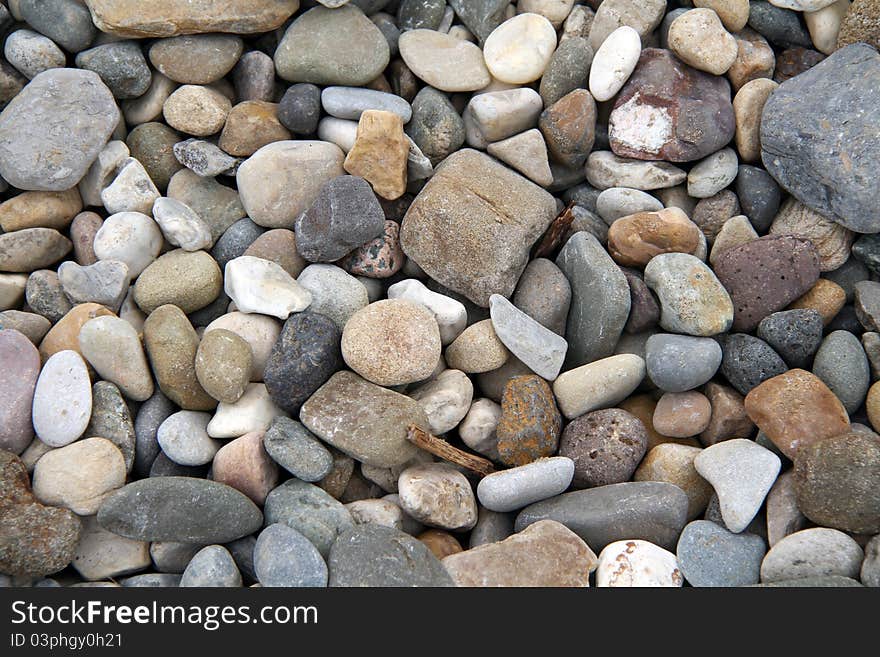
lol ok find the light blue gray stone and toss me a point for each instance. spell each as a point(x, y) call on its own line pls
point(297, 450)
point(542, 350)
point(284, 557)
point(212, 566)
point(709, 555)
point(681, 362)
point(310, 510)
point(842, 364)
point(509, 490)
point(351, 102)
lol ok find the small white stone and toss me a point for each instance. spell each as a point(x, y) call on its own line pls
point(341, 132)
point(262, 286)
point(101, 554)
point(712, 174)
point(509, 490)
point(637, 563)
point(617, 202)
point(451, 315)
point(824, 25)
point(518, 50)
point(527, 153)
point(184, 438)
point(259, 331)
point(445, 61)
point(501, 114)
point(254, 411)
point(477, 429)
point(181, 225)
point(79, 476)
point(614, 62)
point(131, 190)
point(101, 173)
point(376, 512)
point(62, 399)
point(445, 400)
point(132, 237)
point(438, 495)
point(555, 11)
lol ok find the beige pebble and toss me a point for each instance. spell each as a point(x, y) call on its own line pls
point(747, 107)
point(477, 349)
point(682, 414)
point(196, 110)
point(700, 40)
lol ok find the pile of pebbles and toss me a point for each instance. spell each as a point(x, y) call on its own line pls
point(622, 253)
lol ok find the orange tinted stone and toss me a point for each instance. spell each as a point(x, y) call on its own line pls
point(635, 239)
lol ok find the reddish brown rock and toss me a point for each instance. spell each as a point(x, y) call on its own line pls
point(670, 111)
point(682, 414)
point(794, 61)
point(546, 553)
point(440, 543)
point(643, 407)
point(765, 275)
point(635, 239)
point(606, 447)
point(279, 246)
point(82, 233)
point(378, 258)
point(244, 464)
point(755, 59)
point(250, 126)
point(569, 128)
point(644, 311)
point(530, 421)
point(729, 418)
point(796, 409)
point(19, 368)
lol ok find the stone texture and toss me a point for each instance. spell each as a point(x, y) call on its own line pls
point(674, 464)
point(530, 422)
point(606, 447)
point(444, 62)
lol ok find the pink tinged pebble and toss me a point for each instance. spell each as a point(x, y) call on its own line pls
point(19, 368)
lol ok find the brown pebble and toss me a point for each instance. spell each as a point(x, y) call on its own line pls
point(682, 414)
point(279, 246)
point(643, 407)
point(635, 239)
point(380, 153)
point(711, 213)
point(794, 61)
point(244, 464)
point(674, 464)
point(440, 543)
point(729, 418)
point(755, 59)
point(530, 421)
point(65, 334)
point(82, 233)
point(40, 210)
point(826, 297)
point(250, 126)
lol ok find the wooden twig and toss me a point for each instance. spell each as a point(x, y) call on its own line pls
point(554, 233)
point(439, 447)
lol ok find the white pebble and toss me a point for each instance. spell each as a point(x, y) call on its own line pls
point(614, 62)
point(181, 225)
point(131, 237)
point(451, 315)
point(637, 563)
point(62, 399)
point(518, 50)
point(261, 286)
point(131, 190)
point(254, 411)
point(184, 438)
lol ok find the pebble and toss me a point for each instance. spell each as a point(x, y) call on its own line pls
point(831, 240)
point(351, 102)
point(836, 481)
point(377, 512)
point(184, 438)
point(262, 286)
point(189, 280)
point(171, 344)
point(129, 237)
point(34, 327)
point(236, 240)
point(79, 476)
point(606, 447)
point(102, 555)
point(870, 572)
point(518, 487)
point(223, 365)
point(682, 414)
point(20, 364)
point(371, 555)
point(31, 53)
point(842, 365)
point(31, 249)
point(556, 557)
point(568, 69)
point(379, 258)
point(794, 334)
point(310, 511)
point(614, 62)
point(380, 153)
point(102, 172)
point(673, 99)
point(196, 58)
point(76, 99)
point(445, 399)
point(301, 359)
point(282, 179)
point(121, 65)
point(437, 495)
point(132, 190)
point(217, 205)
point(253, 411)
point(518, 50)
point(478, 428)
point(635, 239)
point(112, 346)
point(111, 419)
point(65, 333)
point(180, 225)
point(151, 414)
point(105, 282)
point(477, 349)
point(599, 384)
point(713, 174)
point(599, 299)
point(284, 557)
point(40, 209)
point(529, 426)
point(698, 37)
point(62, 399)
point(674, 464)
point(12, 290)
point(204, 158)
point(651, 511)
point(742, 473)
point(297, 450)
point(637, 563)
point(152, 144)
point(259, 331)
point(644, 17)
point(527, 153)
point(676, 363)
point(542, 350)
point(436, 127)
point(859, 24)
point(196, 110)
point(362, 419)
point(332, 47)
point(618, 202)
point(182, 509)
point(249, 126)
point(44, 295)
point(814, 552)
point(244, 464)
point(569, 128)
point(498, 115)
point(783, 515)
point(749, 361)
point(212, 566)
point(148, 106)
point(450, 315)
point(709, 555)
point(796, 409)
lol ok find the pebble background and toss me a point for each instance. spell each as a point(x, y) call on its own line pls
point(627, 251)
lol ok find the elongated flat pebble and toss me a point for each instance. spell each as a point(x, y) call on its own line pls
point(518, 487)
point(599, 384)
point(536, 346)
point(637, 563)
point(62, 399)
point(113, 347)
point(19, 369)
point(614, 62)
point(297, 450)
point(742, 473)
point(444, 62)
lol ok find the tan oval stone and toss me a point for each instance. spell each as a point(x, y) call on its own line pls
point(223, 365)
point(477, 349)
point(440, 543)
point(65, 334)
point(826, 297)
point(700, 40)
point(196, 59)
point(796, 408)
point(279, 246)
point(754, 59)
point(40, 210)
point(438, 495)
point(189, 280)
point(634, 240)
point(196, 110)
point(674, 464)
point(747, 107)
point(733, 13)
point(250, 126)
point(682, 414)
point(444, 62)
point(643, 407)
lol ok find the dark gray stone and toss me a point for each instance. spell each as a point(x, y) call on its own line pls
point(781, 27)
point(284, 557)
point(709, 555)
point(121, 65)
point(151, 414)
point(600, 300)
point(254, 77)
point(749, 361)
point(759, 196)
point(164, 467)
point(676, 363)
point(842, 364)
point(300, 108)
point(235, 241)
point(491, 527)
point(345, 215)
point(648, 510)
point(543, 293)
point(111, 419)
point(305, 355)
point(420, 14)
point(372, 555)
point(204, 158)
point(181, 509)
point(793, 334)
point(867, 304)
point(242, 550)
point(480, 16)
point(67, 22)
point(297, 450)
point(45, 296)
point(850, 273)
point(819, 137)
point(389, 30)
point(568, 70)
point(867, 250)
point(436, 127)
point(644, 313)
point(309, 510)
